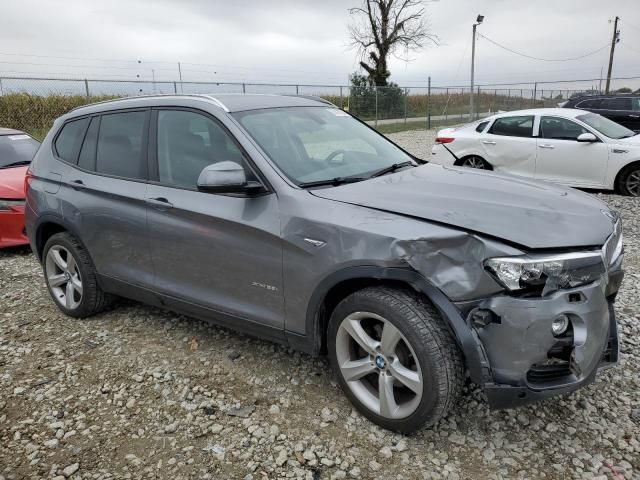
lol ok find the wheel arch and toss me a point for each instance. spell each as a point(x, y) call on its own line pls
point(49, 225)
point(623, 169)
point(460, 160)
point(340, 284)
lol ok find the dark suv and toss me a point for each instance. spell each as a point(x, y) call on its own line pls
point(287, 218)
point(622, 108)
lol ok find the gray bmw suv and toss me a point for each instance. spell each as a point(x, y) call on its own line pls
point(287, 218)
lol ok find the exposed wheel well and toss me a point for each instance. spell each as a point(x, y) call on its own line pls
point(342, 290)
point(462, 159)
point(616, 183)
point(44, 232)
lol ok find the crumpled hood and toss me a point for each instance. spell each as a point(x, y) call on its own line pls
point(529, 213)
point(12, 182)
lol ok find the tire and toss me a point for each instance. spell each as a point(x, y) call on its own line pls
point(425, 349)
point(628, 182)
point(474, 161)
point(85, 298)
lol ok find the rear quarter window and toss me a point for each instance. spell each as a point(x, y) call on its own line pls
point(68, 141)
point(481, 126)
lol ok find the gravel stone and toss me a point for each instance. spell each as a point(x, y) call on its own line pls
point(129, 382)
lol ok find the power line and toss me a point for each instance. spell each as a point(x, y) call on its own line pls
point(630, 24)
point(543, 59)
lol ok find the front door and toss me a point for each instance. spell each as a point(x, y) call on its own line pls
point(562, 159)
point(219, 252)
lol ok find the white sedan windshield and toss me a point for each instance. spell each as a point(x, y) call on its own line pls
point(605, 126)
point(311, 144)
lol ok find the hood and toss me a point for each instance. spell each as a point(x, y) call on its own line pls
point(531, 214)
point(631, 141)
point(12, 182)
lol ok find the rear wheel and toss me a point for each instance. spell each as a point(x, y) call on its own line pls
point(71, 277)
point(394, 358)
point(474, 161)
point(629, 180)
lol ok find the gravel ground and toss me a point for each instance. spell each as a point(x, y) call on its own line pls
point(137, 392)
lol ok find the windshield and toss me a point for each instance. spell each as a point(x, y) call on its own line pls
point(313, 144)
point(605, 126)
point(17, 149)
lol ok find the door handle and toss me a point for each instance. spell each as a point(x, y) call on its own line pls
point(488, 142)
point(547, 146)
point(77, 184)
point(159, 203)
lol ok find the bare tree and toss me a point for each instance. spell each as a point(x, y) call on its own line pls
point(387, 27)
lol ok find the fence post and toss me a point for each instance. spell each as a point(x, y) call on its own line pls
point(429, 103)
point(175, 87)
point(406, 92)
point(479, 103)
point(376, 90)
point(341, 100)
point(297, 93)
point(535, 93)
point(244, 89)
point(446, 108)
point(521, 99)
point(1, 90)
point(86, 88)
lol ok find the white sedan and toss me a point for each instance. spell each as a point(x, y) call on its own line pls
point(571, 147)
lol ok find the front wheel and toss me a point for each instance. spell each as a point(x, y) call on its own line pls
point(629, 180)
point(394, 358)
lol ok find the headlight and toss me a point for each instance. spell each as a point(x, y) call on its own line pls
point(5, 205)
point(546, 273)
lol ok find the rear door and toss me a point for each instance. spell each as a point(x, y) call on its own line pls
point(107, 195)
point(212, 251)
point(508, 145)
point(562, 159)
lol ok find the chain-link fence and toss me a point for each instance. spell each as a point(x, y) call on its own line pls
point(31, 104)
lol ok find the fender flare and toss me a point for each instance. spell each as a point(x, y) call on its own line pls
point(59, 220)
point(467, 340)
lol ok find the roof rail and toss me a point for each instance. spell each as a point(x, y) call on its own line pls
point(312, 97)
point(157, 95)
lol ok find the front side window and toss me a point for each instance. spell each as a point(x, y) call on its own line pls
point(187, 143)
point(560, 129)
point(120, 150)
point(605, 126)
point(68, 142)
point(17, 149)
point(315, 144)
point(520, 126)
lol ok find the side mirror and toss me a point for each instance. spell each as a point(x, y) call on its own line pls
point(226, 177)
point(587, 138)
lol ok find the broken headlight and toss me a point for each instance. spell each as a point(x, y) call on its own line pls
point(546, 273)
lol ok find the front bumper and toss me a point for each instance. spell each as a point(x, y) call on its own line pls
point(12, 231)
point(525, 362)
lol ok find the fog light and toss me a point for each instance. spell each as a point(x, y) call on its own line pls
point(559, 325)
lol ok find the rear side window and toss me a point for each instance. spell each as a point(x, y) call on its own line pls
point(87, 159)
point(520, 126)
point(121, 145)
point(69, 139)
point(481, 126)
point(618, 104)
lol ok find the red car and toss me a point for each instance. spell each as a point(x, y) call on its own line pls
point(16, 151)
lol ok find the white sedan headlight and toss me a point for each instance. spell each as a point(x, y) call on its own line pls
point(546, 273)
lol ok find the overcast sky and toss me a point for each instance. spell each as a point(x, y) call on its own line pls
point(304, 41)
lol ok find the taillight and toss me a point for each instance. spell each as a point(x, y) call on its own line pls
point(27, 179)
point(444, 139)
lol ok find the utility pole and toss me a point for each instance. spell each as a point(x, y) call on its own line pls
point(614, 39)
point(473, 58)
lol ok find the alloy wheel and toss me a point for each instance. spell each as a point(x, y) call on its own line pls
point(632, 183)
point(473, 162)
point(379, 365)
point(63, 277)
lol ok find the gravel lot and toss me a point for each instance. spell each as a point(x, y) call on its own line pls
point(142, 393)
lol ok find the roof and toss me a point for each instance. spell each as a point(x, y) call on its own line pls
point(10, 131)
point(229, 102)
point(563, 112)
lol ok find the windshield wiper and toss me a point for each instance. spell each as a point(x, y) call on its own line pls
point(17, 164)
point(391, 168)
point(333, 181)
